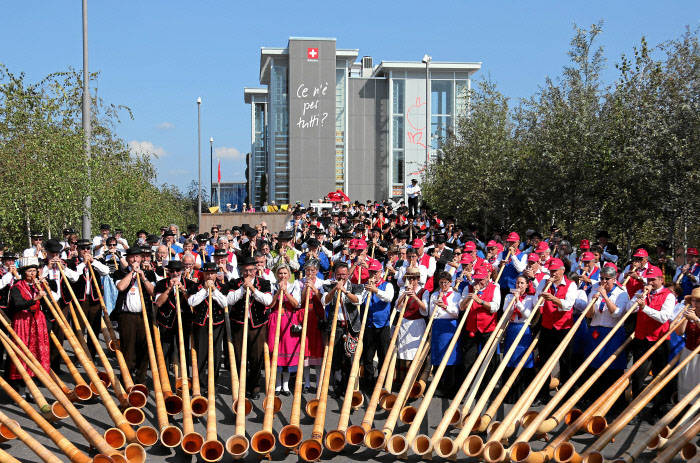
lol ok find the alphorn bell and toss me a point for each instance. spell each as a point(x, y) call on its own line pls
point(34, 445)
point(398, 445)
point(173, 402)
point(212, 450)
point(682, 444)
point(191, 440)
point(374, 438)
point(335, 440)
point(81, 390)
point(237, 445)
point(311, 449)
point(290, 436)
point(263, 441)
point(170, 436)
point(692, 410)
point(198, 403)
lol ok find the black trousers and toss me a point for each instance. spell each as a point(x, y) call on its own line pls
point(376, 341)
point(549, 340)
point(54, 356)
point(93, 312)
point(132, 340)
point(200, 341)
point(656, 362)
point(257, 337)
point(341, 362)
point(471, 346)
point(413, 206)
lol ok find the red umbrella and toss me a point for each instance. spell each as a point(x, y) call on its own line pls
point(337, 196)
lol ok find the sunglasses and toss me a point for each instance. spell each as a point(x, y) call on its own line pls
point(606, 278)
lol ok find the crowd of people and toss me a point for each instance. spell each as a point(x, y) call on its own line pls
point(373, 257)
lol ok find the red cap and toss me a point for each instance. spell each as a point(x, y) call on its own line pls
point(542, 247)
point(360, 244)
point(513, 237)
point(692, 251)
point(352, 244)
point(492, 244)
point(469, 246)
point(641, 252)
point(532, 257)
point(585, 244)
point(373, 265)
point(480, 273)
point(587, 256)
point(654, 272)
point(418, 243)
point(499, 246)
point(555, 264)
point(466, 259)
point(611, 264)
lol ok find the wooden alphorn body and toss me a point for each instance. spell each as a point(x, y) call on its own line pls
point(212, 450)
point(238, 444)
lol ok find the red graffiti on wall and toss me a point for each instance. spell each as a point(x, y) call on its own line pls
point(416, 124)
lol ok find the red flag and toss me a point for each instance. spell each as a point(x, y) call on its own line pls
point(218, 175)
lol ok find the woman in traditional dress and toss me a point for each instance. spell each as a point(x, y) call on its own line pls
point(444, 301)
point(413, 326)
point(314, 337)
point(689, 376)
point(289, 341)
point(28, 320)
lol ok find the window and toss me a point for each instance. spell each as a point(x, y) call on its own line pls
point(441, 110)
point(461, 98)
point(340, 128)
point(398, 135)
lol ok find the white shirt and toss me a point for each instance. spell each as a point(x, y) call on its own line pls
point(51, 273)
point(294, 289)
point(132, 302)
point(569, 298)
point(423, 312)
point(452, 310)
point(524, 307)
point(384, 295)
point(431, 264)
point(201, 295)
point(495, 303)
point(519, 261)
point(7, 279)
point(581, 301)
point(601, 315)
point(623, 275)
point(401, 274)
point(667, 308)
point(82, 269)
point(325, 299)
point(237, 295)
point(413, 190)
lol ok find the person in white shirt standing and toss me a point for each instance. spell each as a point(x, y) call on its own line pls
point(413, 192)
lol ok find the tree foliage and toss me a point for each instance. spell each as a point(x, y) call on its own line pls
point(43, 164)
point(580, 154)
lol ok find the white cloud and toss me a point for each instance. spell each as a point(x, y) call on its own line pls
point(166, 125)
point(226, 152)
point(144, 148)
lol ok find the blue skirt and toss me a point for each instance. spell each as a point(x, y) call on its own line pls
point(443, 330)
point(578, 343)
point(595, 335)
point(675, 345)
point(511, 332)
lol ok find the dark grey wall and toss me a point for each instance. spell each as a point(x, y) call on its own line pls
point(368, 131)
point(311, 119)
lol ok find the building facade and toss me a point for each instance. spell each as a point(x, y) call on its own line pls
point(324, 121)
point(233, 196)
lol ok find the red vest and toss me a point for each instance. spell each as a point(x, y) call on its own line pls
point(425, 262)
point(633, 286)
point(648, 328)
point(412, 309)
point(480, 318)
point(692, 336)
point(552, 318)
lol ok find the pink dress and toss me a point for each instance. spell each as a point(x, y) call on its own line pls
point(314, 338)
point(288, 355)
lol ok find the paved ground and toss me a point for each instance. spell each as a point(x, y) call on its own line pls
point(97, 416)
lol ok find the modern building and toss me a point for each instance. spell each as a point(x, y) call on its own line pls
point(233, 195)
point(324, 121)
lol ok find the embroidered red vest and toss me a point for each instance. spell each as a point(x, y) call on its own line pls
point(648, 328)
point(481, 318)
point(412, 309)
point(552, 318)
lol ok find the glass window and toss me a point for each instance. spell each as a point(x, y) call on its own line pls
point(399, 96)
point(398, 166)
point(441, 97)
point(461, 98)
point(397, 132)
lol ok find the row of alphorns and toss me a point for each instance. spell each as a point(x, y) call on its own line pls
point(468, 410)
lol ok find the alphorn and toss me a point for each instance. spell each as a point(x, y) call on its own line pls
point(212, 450)
point(653, 434)
point(173, 402)
point(232, 366)
point(502, 265)
point(312, 405)
point(34, 445)
point(335, 440)
point(263, 442)
point(423, 444)
point(104, 445)
point(77, 332)
point(663, 439)
point(537, 425)
point(170, 436)
point(311, 449)
point(374, 438)
point(290, 436)
point(237, 445)
point(65, 445)
point(7, 458)
point(112, 342)
point(682, 444)
point(494, 448)
point(198, 403)
point(191, 440)
point(387, 398)
point(523, 453)
point(630, 412)
point(398, 445)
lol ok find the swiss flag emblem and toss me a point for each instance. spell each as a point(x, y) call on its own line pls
point(312, 53)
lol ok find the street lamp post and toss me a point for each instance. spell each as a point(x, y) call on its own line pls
point(211, 168)
point(427, 59)
point(199, 161)
point(86, 126)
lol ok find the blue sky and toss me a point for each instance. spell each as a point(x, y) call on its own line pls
point(157, 57)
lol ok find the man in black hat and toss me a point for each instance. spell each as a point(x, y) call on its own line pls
point(260, 296)
point(66, 236)
point(284, 252)
point(610, 252)
point(199, 302)
point(169, 241)
point(128, 311)
point(122, 244)
point(100, 241)
point(167, 292)
point(313, 252)
point(85, 289)
point(111, 256)
point(226, 271)
point(37, 249)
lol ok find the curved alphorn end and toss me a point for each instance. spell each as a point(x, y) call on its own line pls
point(134, 416)
point(566, 453)
point(473, 446)
point(335, 441)
point(422, 445)
point(445, 448)
point(521, 452)
point(494, 452)
point(237, 446)
point(212, 451)
point(355, 435)
point(310, 450)
point(6, 433)
point(375, 439)
point(263, 442)
point(136, 398)
point(192, 443)
point(59, 411)
point(199, 405)
point(596, 425)
point(147, 436)
point(290, 436)
point(170, 436)
point(397, 445)
point(115, 438)
point(134, 453)
point(408, 414)
point(248, 406)
point(594, 457)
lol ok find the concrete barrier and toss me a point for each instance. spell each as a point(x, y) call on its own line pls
point(275, 221)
